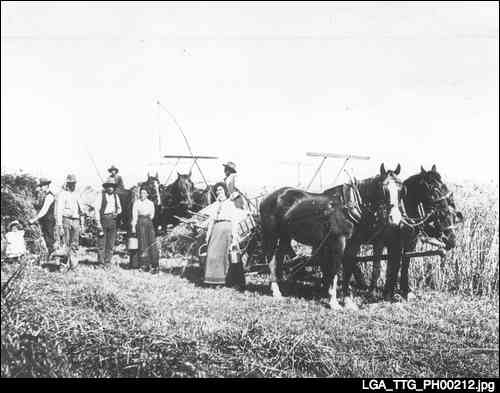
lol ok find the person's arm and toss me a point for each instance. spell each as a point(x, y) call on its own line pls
point(45, 208)
point(118, 205)
point(97, 209)
point(60, 202)
point(152, 210)
point(211, 219)
point(234, 224)
point(134, 216)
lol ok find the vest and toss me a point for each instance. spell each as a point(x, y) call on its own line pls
point(104, 203)
point(49, 217)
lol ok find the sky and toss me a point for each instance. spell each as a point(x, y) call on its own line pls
point(256, 83)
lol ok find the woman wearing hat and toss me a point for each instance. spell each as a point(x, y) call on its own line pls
point(117, 178)
point(107, 208)
point(222, 235)
point(143, 212)
point(230, 181)
point(46, 216)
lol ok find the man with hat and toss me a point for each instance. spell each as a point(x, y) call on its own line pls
point(46, 216)
point(69, 218)
point(117, 178)
point(230, 180)
point(107, 209)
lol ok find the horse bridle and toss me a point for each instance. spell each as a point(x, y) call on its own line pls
point(424, 216)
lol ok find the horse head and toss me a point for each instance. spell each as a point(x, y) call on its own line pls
point(152, 184)
point(183, 189)
point(438, 205)
point(390, 193)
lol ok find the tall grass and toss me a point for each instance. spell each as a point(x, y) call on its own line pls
point(472, 266)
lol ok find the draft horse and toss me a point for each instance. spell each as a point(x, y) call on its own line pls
point(324, 221)
point(430, 212)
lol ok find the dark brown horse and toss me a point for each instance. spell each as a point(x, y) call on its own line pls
point(325, 222)
point(430, 213)
point(177, 199)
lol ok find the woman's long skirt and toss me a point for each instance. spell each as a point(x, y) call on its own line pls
point(148, 249)
point(217, 263)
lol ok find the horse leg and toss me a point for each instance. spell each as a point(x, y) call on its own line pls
point(377, 252)
point(405, 290)
point(337, 253)
point(348, 263)
point(393, 265)
point(277, 277)
point(269, 244)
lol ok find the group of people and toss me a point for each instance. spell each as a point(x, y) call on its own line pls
point(61, 219)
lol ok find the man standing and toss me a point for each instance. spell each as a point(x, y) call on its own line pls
point(230, 180)
point(107, 209)
point(68, 215)
point(117, 178)
point(46, 216)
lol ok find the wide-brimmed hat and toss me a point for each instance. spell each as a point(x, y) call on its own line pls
point(109, 182)
point(44, 181)
point(14, 223)
point(112, 168)
point(230, 164)
point(71, 179)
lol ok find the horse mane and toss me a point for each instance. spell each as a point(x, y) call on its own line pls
point(368, 186)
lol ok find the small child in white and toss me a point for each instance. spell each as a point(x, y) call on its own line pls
point(16, 246)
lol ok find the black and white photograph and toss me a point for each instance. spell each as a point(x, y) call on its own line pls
point(251, 190)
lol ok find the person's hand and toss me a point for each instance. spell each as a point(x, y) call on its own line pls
point(32, 221)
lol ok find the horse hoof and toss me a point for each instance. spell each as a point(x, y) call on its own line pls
point(276, 291)
point(411, 296)
point(398, 299)
point(335, 306)
point(349, 304)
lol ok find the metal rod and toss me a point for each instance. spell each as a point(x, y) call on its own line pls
point(187, 143)
point(193, 157)
point(335, 155)
point(340, 171)
point(316, 173)
point(93, 162)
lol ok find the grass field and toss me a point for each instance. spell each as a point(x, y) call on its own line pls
point(123, 323)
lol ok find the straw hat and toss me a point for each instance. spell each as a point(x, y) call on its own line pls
point(71, 179)
point(109, 182)
point(16, 223)
point(113, 168)
point(44, 181)
point(230, 165)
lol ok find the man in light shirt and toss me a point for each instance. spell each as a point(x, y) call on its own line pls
point(46, 216)
point(68, 215)
point(107, 209)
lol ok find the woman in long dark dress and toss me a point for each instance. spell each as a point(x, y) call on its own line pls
point(222, 236)
point(143, 212)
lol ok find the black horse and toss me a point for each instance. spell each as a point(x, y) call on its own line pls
point(325, 222)
point(431, 213)
point(177, 200)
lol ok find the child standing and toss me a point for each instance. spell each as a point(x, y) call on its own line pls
point(15, 244)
